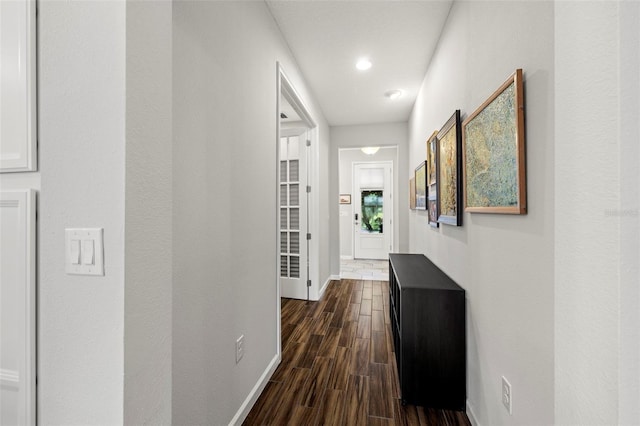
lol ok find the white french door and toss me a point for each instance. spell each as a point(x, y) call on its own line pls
point(372, 207)
point(294, 218)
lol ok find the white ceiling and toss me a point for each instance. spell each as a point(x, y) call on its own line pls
point(327, 38)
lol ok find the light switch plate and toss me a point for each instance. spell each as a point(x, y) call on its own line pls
point(85, 236)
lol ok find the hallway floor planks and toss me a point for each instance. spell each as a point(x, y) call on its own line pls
point(338, 365)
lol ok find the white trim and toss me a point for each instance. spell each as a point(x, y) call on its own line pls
point(326, 283)
point(253, 396)
point(26, 159)
point(471, 415)
point(346, 257)
point(285, 89)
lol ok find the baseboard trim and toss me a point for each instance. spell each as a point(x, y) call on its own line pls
point(342, 257)
point(471, 415)
point(326, 283)
point(253, 396)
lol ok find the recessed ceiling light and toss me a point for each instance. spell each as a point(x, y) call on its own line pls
point(394, 94)
point(363, 64)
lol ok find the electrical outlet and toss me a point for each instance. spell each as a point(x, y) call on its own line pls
point(239, 348)
point(507, 396)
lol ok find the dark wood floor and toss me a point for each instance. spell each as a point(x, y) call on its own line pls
point(338, 365)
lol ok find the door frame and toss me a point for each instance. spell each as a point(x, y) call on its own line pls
point(286, 89)
point(356, 193)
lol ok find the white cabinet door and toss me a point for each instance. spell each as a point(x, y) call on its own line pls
point(18, 86)
point(17, 307)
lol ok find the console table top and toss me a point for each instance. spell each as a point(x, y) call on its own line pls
point(417, 271)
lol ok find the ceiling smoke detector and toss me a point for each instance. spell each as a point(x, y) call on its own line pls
point(394, 94)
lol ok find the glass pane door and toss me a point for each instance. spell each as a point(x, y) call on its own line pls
point(372, 202)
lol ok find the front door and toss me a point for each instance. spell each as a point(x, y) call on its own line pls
point(294, 268)
point(372, 210)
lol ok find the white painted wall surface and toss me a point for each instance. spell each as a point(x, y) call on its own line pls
point(347, 158)
point(224, 189)
point(597, 306)
point(82, 167)
point(148, 214)
point(505, 263)
point(386, 134)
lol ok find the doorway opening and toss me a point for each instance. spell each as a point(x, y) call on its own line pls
point(372, 212)
point(368, 232)
point(296, 177)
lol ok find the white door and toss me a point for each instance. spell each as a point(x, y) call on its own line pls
point(294, 219)
point(372, 210)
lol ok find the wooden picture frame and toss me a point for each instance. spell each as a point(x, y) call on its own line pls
point(345, 198)
point(412, 193)
point(421, 186)
point(431, 158)
point(449, 171)
point(432, 207)
point(494, 152)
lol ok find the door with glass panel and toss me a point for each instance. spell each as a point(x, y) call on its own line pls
point(293, 221)
point(372, 210)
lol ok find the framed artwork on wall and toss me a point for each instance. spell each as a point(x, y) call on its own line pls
point(421, 186)
point(432, 205)
point(345, 198)
point(412, 193)
point(494, 152)
point(449, 171)
point(432, 192)
point(431, 158)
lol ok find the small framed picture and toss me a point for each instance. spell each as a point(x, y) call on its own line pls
point(345, 198)
point(433, 211)
point(449, 171)
point(412, 193)
point(421, 186)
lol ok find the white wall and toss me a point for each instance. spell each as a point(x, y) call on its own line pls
point(148, 214)
point(597, 299)
point(347, 158)
point(82, 60)
point(105, 156)
point(224, 189)
point(504, 262)
point(357, 136)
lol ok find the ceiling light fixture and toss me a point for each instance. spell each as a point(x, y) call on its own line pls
point(363, 64)
point(394, 94)
point(370, 150)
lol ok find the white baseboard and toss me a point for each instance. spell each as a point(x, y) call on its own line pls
point(471, 415)
point(326, 283)
point(346, 257)
point(253, 396)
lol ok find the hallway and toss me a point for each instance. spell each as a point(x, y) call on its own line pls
point(338, 365)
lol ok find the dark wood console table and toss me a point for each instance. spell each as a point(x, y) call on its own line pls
point(427, 310)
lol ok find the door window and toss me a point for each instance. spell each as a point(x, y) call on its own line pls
point(372, 211)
